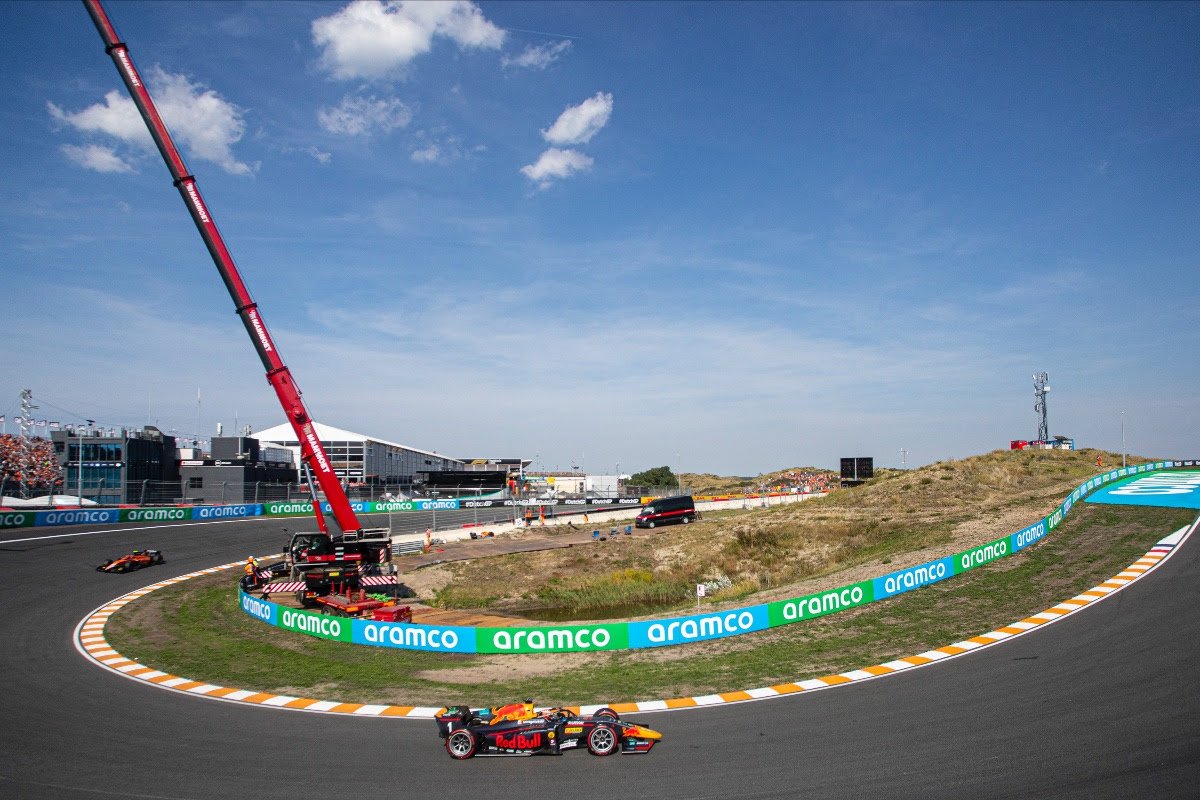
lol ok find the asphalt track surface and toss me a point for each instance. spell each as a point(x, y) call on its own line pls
point(1103, 704)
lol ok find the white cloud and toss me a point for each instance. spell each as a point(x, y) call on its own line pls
point(117, 116)
point(427, 155)
point(555, 163)
point(369, 39)
point(96, 157)
point(539, 56)
point(578, 124)
point(202, 123)
point(361, 116)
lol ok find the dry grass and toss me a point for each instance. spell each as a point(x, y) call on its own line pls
point(894, 518)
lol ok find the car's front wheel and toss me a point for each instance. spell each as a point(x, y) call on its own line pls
point(460, 744)
point(602, 741)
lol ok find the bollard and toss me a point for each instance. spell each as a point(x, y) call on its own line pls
point(628, 530)
point(595, 534)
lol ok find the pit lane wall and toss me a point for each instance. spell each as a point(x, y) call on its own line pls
point(677, 630)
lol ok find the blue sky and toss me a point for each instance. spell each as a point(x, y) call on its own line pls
point(724, 237)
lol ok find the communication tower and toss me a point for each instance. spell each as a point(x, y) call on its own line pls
point(1040, 389)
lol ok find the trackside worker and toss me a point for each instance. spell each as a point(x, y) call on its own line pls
point(528, 517)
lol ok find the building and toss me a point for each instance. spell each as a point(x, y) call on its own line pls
point(360, 460)
point(115, 467)
point(478, 475)
point(238, 470)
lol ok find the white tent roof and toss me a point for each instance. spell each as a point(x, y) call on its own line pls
point(328, 433)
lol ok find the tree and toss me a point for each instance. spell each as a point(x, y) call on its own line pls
point(659, 476)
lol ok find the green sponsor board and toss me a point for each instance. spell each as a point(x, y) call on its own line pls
point(567, 639)
point(319, 625)
point(154, 514)
point(396, 505)
point(17, 519)
point(785, 612)
point(983, 554)
point(283, 508)
point(1055, 519)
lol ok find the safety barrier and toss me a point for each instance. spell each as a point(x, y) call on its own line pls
point(678, 630)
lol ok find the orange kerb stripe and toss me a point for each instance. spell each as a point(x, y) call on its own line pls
point(257, 698)
point(396, 711)
point(878, 669)
point(681, 702)
point(224, 690)
point(916, 661)
point(951, 650)
point(981, 640)
point(620, 708)
point(1033, 621)
point(300, 702)
point(787, 688)
point(733, 697)
point(161, 678)
point(834, 680)
point(346, 708)
point(183, 687)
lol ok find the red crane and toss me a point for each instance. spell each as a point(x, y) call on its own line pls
point(278, 375)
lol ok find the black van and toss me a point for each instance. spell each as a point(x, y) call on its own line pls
point(666, 510)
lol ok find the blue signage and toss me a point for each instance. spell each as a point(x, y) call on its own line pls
point(697, 628)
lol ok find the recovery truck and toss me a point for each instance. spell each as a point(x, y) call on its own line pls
point(329, 558)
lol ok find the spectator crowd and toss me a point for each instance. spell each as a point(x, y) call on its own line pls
point(37, 470)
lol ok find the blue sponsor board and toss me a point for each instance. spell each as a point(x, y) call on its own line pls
point(260, 609)
point(914, 577)
point(227, 512)
point(1172, 489)
point(697, 628)
point(78, 516)
point(407, 636)
point(435, 505)
point(1027, 536)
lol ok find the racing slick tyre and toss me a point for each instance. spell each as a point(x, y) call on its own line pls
point(461, 744)
point(606, 713)
point(602, 741)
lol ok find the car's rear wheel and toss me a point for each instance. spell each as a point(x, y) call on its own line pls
point(461, 744)
point(686, 520)
point(606, 713)
point(602, 740)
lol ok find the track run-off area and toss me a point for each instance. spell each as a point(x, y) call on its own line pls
point(1101, 705)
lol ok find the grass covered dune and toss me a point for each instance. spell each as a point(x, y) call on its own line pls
point(899, 519)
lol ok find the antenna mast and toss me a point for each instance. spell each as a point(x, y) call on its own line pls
point(1040, 388)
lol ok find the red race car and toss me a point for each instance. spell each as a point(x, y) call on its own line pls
point(135, 560)
point(520, 730)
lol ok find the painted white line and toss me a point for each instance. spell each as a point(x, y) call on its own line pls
point(127, 530)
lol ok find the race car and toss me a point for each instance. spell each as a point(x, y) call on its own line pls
point(135, 560)
point(520, 730)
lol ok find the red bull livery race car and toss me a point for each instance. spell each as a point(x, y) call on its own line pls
point(135, 560)
point(520, 730)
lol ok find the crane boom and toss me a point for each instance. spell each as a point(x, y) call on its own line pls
point(278, 375)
